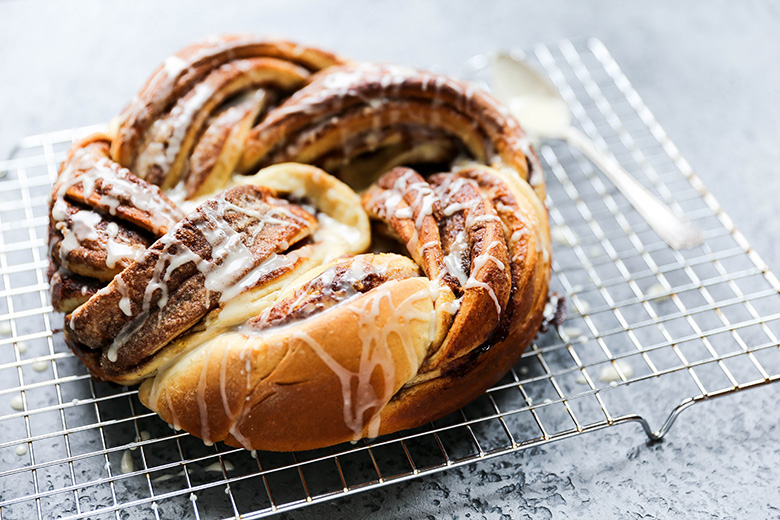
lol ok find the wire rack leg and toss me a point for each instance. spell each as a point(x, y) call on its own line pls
point(659, 434)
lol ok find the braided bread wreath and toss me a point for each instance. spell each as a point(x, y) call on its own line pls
point(258, 309)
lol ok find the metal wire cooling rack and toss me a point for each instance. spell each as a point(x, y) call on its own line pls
point(650, 330)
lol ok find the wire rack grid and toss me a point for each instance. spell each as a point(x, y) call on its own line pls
point(649, 330)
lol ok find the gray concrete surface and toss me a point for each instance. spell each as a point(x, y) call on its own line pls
point(708, 71)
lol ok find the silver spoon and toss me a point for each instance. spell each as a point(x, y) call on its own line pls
point(544, 114)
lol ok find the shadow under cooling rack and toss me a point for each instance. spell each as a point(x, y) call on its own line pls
point(650, 330)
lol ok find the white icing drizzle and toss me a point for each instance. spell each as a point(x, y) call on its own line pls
point(336, 90)
point(124, 301)
point(484, 258)
point(174, 68)
point(485, 218)
point(82, 227)
point(341, 84)
point(428, 245)
point(127, 465)
point(341, 289)
point(375, 354)
point(609, 373)
point(117, 250)
point(167, 134)
point(124, 334)
point(17, 403)
point(424, 200)
point(243, 440)
point(455, 258)
point(174, 65)
point(472, 283)
point(231, 256)
point(116, 187)
point(40, 365)
point(169, 131)
point(216, 467)
point(165, 477)
point(358, 393)
point(175, 418)
point(337, 236)
point(477, 264)
point(453, 208)
point(223, 386)
point(403, 213)
point(203, 411)
point(450, 307)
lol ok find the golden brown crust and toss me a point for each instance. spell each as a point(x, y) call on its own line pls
point(251, 321)
point(299, 379)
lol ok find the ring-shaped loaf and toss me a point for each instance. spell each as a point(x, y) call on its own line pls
point(387, 264)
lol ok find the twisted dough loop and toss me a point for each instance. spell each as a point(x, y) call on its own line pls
point(352, 109)
point(101, 218)
point(180, 73)
point(259, 319)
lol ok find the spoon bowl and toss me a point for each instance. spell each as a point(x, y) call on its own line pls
point(530, 97)
point(544, 114)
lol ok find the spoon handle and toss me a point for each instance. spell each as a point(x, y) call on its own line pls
point(675, 230)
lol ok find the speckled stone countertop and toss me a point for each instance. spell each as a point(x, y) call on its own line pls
point(708, 72)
